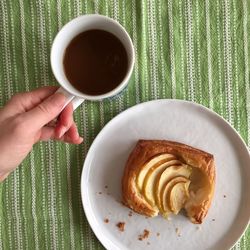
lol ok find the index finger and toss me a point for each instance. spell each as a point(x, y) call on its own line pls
point(23, 102)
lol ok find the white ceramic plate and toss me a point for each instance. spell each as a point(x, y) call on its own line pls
point(180, 121)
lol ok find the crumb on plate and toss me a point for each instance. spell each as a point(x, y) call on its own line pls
point(144, 235)
point(177, 230)
point(121, 226)
point(106, 220)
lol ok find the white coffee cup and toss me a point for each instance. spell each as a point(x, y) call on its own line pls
point(64, 37)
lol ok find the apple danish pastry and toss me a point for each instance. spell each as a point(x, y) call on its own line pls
point(164, 177)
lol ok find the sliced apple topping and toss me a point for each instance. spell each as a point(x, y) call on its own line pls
point(152, 177)
point(170, 173)
point(172, 195)
point(163, 181)
point(154, 162)
point(178, 196)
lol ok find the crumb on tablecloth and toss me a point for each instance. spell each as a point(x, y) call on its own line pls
point(106, 220)
point(158, 234)
point(148, 243)
point(224, 196)
point(106, 186)
point(213, 219)
point(144, 235)
point(100, 193)
point(130, 214)
point(121, 226)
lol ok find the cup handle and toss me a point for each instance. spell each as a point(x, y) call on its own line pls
point(76, 101)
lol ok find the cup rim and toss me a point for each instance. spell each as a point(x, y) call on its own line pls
point(114, 91)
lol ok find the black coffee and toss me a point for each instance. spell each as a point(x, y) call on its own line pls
point(95, 62)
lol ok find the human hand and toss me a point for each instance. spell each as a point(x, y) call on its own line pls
point(23, 122)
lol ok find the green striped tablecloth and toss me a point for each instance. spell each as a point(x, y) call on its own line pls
point(195, 50)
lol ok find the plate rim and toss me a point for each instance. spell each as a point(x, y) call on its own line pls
point(107, 243)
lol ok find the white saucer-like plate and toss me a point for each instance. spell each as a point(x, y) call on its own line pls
point(179, 121)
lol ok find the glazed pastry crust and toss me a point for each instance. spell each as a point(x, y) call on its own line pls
point(147, 149)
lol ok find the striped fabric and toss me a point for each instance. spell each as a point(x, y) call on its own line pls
point(195, 50)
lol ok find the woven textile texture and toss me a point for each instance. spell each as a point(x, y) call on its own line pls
point(195, 50)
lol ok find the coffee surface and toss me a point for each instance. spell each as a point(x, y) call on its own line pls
point(95, 62)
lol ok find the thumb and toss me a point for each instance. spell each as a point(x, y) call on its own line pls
point(46, 111)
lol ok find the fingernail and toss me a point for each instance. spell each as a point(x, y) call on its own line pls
point(80, 140)
point(62, 132)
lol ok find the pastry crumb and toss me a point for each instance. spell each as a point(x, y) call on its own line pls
point(177, 230)
point(224, 196)
point(121, 226)
point(130, 214)
point(158, 234)
point(106, 186)
point(106, 220)
point(148, 243)
point(198, 228)
point(100, 193)
point(123, 203)
point(144, 235)
point(213, 219)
